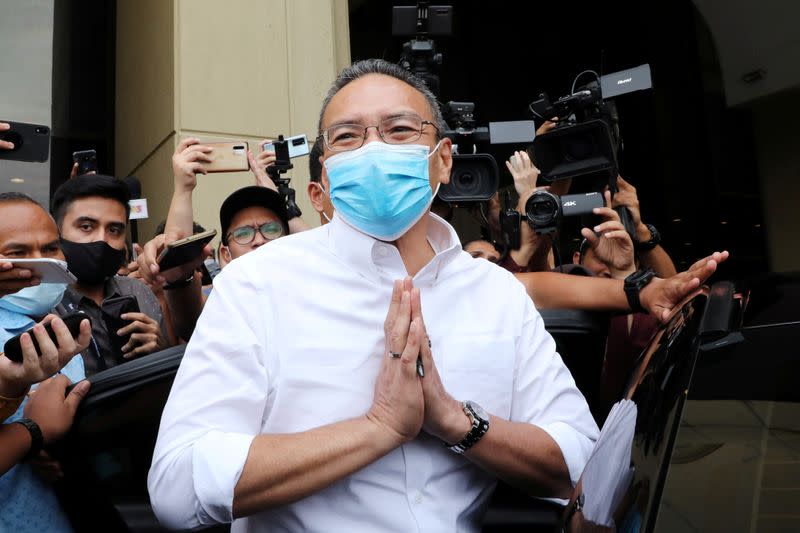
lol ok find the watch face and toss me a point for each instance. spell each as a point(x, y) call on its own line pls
point(479, 411)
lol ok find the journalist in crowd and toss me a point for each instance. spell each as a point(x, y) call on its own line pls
point(28, 502)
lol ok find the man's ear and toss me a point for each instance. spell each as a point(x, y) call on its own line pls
point(315, 195)
point(444, 160)
point(224, 255)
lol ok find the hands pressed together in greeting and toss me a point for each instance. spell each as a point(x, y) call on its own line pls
point(408, 400)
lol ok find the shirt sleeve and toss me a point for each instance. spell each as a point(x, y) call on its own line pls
point(215, 408)
point(545, 394)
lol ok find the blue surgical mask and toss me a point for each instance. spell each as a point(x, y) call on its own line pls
point(34, 301)
point(381, 189)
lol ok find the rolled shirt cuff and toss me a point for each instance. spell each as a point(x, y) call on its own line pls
point(575, 447)
point(217, 462)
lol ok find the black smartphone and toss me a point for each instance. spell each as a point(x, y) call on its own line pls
point(185, 250)
point(31, 142)
point(87, 161)
point(113, 309)
point(510, 221)
point(13, 348)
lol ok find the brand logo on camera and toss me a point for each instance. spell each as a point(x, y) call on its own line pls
point(570, 204)
point(626, 80)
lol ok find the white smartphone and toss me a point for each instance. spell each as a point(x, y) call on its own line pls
point(298, 145)
point(47, 270)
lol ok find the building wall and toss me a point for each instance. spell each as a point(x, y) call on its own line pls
point(26, 66)
point(238, 70)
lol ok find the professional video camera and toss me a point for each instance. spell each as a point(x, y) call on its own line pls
point(475, 176)
point(585, 140)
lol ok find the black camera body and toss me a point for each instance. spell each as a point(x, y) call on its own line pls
point(546, 210)
point(585, 139)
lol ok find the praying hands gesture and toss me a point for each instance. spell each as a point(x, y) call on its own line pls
point(409, 394)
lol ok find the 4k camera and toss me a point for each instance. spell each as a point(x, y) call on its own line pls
point(546, 210)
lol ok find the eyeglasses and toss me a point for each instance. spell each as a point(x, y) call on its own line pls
point(401, 129)
point(245, 234)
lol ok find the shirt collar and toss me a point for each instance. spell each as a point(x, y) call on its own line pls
point(72, 298)
point(376, 259)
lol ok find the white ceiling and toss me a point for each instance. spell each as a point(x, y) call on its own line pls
point(751, 35)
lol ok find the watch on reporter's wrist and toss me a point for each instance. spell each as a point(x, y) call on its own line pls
point(633, 285)
point(655, 240)
point(480, 425)
point(179, 284)
point(37, 439)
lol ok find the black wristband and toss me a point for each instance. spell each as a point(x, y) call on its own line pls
point(655, 240)
point(37, 439)
point(179, 284)
point(633, 285)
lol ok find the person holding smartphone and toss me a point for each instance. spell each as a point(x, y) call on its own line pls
point(92, 215)
point(27, 231)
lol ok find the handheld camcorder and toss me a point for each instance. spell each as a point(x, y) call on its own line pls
point(546, 210)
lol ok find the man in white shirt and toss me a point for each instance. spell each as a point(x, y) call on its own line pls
point(301, 405)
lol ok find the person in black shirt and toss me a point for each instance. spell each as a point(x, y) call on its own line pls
point(92, 214)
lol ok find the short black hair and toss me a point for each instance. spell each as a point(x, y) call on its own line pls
point(14, 196)
point(87, 186)
point(196, 228)
point(314, 166)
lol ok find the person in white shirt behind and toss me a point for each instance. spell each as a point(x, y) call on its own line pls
point(302, 404)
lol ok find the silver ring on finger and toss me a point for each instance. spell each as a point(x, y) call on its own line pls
point(395, 355)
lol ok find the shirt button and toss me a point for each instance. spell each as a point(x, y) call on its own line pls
point(418, 498)
point(382, 251)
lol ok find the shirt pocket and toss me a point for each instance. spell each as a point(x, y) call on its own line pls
point(481, 369)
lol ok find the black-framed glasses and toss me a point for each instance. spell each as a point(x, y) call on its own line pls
point(401, 129)
point(245, 234)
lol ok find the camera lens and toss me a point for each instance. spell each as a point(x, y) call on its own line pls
point(542, 209)
point(41, 130)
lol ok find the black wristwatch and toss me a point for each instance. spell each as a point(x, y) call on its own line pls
point(37, 439)
point(655, 240)
point(633, 286)
point(480, 425)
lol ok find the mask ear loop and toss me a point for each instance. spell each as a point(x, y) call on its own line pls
point(323, 213)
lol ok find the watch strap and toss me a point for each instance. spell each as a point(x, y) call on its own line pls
point(476, 433)
point(633, 285)
point(655, 240)
point(179, 284)
point(37, 439)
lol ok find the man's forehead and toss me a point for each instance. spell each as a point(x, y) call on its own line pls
point(95, 207)
point(375, 96)
point(23, 221)
point(254, 214)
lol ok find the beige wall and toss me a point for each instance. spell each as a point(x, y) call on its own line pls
point(235, 70)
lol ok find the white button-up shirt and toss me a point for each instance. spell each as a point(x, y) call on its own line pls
point(292, 339)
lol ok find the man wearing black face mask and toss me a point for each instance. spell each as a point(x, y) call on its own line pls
point(92, 214)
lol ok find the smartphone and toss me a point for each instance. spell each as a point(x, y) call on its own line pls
point(87, 161)
point(13, 348)
point(228, 157)
point(31, 142)
point(47, 270)
point(298, 145)
point(113, 309)
point(185, 250)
